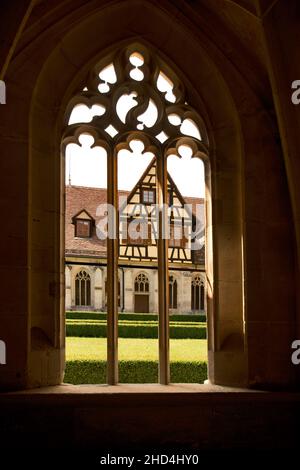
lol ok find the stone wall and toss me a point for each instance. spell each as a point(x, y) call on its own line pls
point(98, 277)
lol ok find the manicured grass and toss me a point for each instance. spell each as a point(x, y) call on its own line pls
point(138, 360)
point(94, 349)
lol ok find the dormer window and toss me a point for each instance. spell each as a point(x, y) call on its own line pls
point(148, 196)
point(83, 228)
point(83, 223)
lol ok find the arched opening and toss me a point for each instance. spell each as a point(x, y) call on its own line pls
point(141, 293)
point(223, 173)
point(136, 106)
point(82, 289)
point(197, 294)
point(249, 226)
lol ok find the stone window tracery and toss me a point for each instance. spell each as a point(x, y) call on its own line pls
point(132, 98)
point(82, 289)
point(197, 294)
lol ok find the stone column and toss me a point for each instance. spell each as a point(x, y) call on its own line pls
point(128, 290)
point(98, 288)
point(154, 288)
point(104, 277)
point(68, 281)
point(185, 292)
point(273, 294)
point(205, 299)
point(180, 304)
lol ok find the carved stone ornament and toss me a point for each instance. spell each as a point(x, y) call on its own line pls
point(134, 95)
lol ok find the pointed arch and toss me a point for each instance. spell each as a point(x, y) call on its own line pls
point(210, 93)
point(197, 294)
point(141, 293)
point(82, 289)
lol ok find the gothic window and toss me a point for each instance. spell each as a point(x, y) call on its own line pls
point(141, 294)
point(131, 97)
point(197, 294)
point(82, 289)
point(172, 292)
point(141, 284)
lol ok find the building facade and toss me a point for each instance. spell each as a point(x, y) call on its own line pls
point(86, 263)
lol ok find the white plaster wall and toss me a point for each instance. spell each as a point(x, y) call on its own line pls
point(185, 301)
point(98, 276)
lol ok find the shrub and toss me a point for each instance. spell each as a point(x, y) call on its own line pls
point(98, 329)
point(133, 316)
point(92, 372)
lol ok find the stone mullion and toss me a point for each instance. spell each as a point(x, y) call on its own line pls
point(112, 271)
point(163, 271)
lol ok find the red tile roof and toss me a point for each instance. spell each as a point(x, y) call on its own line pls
point(79, 198)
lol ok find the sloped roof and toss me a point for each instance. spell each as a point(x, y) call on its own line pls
point(79, 198)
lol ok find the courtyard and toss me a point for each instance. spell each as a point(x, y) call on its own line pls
point(86, 352)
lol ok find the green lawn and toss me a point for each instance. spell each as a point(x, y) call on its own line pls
point(94, 349)
point(138, 360)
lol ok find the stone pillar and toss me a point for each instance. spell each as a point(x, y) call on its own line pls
point(72, 290)
point(128, 290)
point(154, 289)
point(104, 277)
point(181, 304)
point(98, 289)
point(205, 296)
point(273, 288)
point(185, 292)
point(68, 281)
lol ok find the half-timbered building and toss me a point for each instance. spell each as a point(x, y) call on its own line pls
point(86, 273)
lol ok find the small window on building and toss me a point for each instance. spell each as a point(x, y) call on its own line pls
point(138, 231)
point(177, 236)
point(83, 228)
point(148, 196)
point(141, 283)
